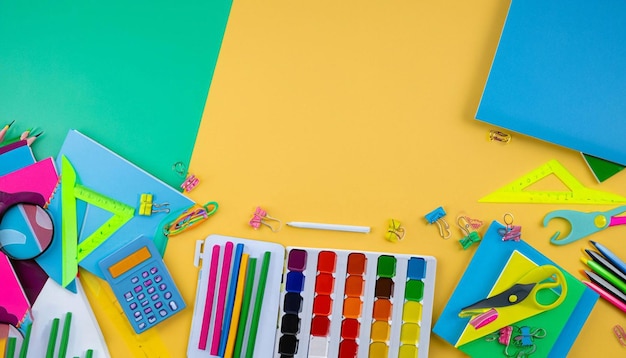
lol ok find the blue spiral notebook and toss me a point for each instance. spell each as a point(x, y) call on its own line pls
point(558, 75)
point(561, 324)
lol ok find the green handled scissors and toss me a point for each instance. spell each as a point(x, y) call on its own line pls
point(524, 291)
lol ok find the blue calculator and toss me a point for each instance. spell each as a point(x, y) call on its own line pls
point(142, 284)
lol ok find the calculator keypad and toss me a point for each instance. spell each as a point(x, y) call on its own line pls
point(146, 301)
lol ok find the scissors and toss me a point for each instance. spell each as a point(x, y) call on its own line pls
point(523, 292)
point(584, 224)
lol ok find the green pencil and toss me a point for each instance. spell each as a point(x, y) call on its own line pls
point(53, 338)
point(258, 303)
point(66, 335)
point(24, 349)
point(605, 274)
point(245, 307)
point(11, 347)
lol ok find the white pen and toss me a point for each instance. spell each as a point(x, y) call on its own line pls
point(320, 226)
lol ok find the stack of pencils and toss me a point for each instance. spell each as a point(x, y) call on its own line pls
point(607, 276)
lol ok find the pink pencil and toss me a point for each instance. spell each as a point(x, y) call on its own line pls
point(208, 308)
point(607, 296)
point(221, 298)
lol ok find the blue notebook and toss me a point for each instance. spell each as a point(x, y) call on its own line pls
point(558, 75)
point(561, 324)
point(106, 173)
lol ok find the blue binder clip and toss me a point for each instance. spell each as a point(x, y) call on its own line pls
point(436, 217)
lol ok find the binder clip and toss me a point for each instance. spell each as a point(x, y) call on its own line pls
point(147, 207)
point(620, 334)
point(436, 217)
point(510, 232)
point(260, 217)
point(517, 341)
point(190, 182)
point(395, 232)
point(469, 230)
point(497, 136)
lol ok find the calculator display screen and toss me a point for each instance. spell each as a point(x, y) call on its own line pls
point(129, 262)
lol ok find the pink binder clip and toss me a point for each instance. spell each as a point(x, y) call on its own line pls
point(189, 183)
point(260, 217)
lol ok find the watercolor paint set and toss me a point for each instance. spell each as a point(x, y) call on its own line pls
point(260, 299)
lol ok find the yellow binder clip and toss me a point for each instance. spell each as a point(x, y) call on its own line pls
point(395, 232)
point(147, 207)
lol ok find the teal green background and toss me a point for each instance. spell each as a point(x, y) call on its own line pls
point(132, 75)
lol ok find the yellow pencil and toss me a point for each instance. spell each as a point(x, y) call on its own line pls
point(232, 334)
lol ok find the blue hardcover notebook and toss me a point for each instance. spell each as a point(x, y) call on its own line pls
point(108, 174)
point(558, 75)
point(561, 324)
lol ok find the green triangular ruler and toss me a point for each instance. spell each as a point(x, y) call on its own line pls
point(602, 169)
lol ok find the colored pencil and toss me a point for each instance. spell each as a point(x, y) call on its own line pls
point(258, 303)
point(604, 273)
point(606, 295)
point(89, 353)
point(606, 285)
point(208, 307)
point(230, 300)
point(597, 257)
point(66, 335)
point(11, 347)
point(616, 261)
point(245, 307)
point(25, 342)
point(232, 334)
point(221, 298)
point(53, 338)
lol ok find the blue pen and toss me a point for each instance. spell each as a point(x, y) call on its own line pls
point(611, 257)
point(230, 300)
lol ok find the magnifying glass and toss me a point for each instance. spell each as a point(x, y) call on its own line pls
point(26, 228)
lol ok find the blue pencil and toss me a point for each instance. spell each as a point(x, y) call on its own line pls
point(611, 257)
point(230, 299)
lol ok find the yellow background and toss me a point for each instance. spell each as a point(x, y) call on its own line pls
point(355, 112)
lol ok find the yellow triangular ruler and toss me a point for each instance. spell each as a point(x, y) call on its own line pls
point(73, 252)
point(577, 194)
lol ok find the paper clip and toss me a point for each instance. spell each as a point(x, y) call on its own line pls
point(510, 232)
point(260, 217)
point(497, 136)
point(395, 232)
point(517, 341)
point(436, 217)
point(180, 168)
point(147, 207)
point(471, 235)
point(190, 217)
point(620, 334)
point(190, 182)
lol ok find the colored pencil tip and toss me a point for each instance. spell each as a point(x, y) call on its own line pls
point(583, 260)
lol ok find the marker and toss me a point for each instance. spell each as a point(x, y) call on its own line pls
point(607, 296)
point(605, 274)
point(333, 227)
point(610, 256)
